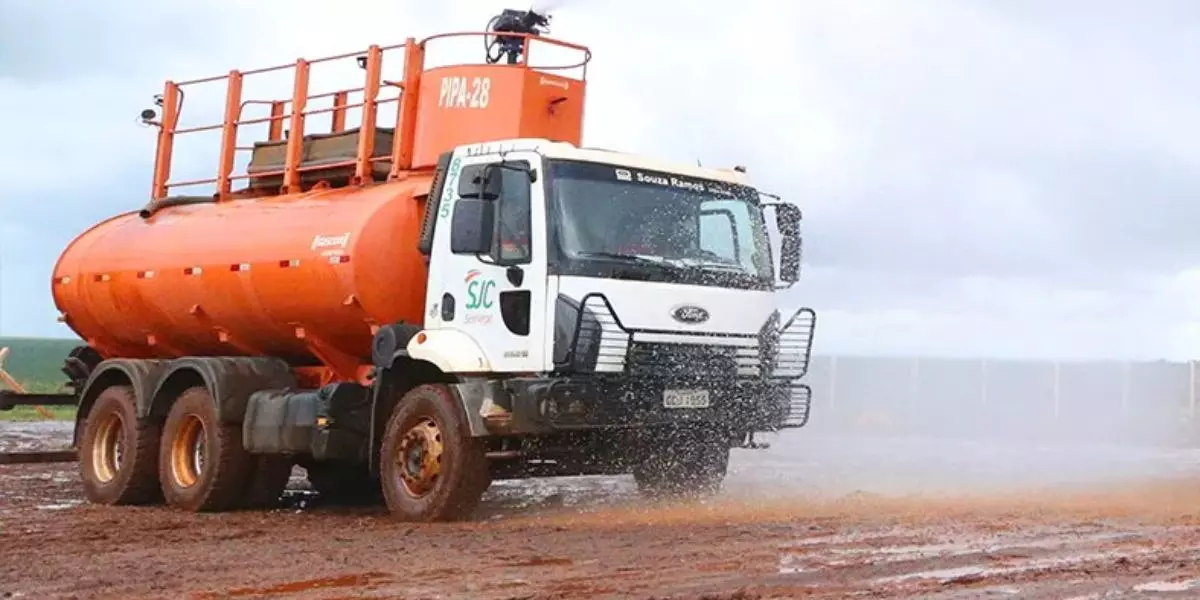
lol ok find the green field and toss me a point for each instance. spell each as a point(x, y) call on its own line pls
point(36, 363)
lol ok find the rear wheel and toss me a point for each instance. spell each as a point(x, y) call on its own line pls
point(202, 464)
point(117, 454)
point(430, 466)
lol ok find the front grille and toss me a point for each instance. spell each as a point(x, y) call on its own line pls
point(685, 361)
point(599, 342)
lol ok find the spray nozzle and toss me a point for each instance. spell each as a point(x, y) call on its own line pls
point(511, 20)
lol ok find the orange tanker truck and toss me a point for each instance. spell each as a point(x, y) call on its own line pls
point(415, 311)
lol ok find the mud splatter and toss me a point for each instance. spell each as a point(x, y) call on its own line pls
point(804, 520)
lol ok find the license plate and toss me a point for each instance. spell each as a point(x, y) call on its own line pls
point(685, 399)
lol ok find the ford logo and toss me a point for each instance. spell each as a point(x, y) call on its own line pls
point(690, 314)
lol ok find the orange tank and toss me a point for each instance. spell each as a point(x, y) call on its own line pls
point(320, 246)
point(281, 276)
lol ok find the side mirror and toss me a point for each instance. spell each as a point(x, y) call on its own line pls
point(788, 220)
point(483, 182)
point(472, 226)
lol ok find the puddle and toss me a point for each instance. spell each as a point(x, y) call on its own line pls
point(1167, 586)
point(26, 436)
point(36, 476)
point(789, 565)
point(941, 574)
point(345, 581)
point(946, 575)
point(59, 506)
point(842, 538)
point(809, 547)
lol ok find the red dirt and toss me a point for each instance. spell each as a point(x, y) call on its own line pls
point(1052, 544)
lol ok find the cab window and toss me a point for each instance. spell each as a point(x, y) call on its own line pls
point(514, 224)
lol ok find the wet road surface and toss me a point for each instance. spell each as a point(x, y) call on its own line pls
point(814, 516)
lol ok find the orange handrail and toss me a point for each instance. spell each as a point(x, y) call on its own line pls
point(526, 38)
point(401, 155)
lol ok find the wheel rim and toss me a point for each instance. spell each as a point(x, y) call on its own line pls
point(187, 452)
point(419, 457)
point(108, 448)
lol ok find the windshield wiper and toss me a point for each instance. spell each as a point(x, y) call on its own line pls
point(696, 263)
point(641, 258)
point(677, 263)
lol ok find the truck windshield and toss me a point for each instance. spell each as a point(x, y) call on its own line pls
point(613, 213)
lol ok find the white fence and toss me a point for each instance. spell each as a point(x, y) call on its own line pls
point(1154, 402)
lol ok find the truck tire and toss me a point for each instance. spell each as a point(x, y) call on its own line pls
point(431, 469)
point(689, 463)
point(269, 475)
point(118, 456)
point(201, 461)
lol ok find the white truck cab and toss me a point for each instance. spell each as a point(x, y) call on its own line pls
point(580, 290)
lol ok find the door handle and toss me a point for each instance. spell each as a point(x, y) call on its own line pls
point(516, 275)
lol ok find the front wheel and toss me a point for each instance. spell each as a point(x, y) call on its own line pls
point(431, 469)
point(684, 463)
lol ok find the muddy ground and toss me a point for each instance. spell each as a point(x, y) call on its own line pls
point(814, 516)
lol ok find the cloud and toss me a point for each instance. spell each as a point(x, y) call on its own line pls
point(990, 177)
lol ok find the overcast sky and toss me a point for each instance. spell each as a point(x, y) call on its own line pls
point(1005, 178)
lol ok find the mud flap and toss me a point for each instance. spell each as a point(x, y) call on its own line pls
point(478, 400)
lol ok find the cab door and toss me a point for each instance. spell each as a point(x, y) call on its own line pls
point(496, 297)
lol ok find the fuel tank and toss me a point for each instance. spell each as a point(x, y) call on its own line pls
point(279, 276)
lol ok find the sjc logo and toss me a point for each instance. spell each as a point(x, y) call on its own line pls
point(479, 290)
